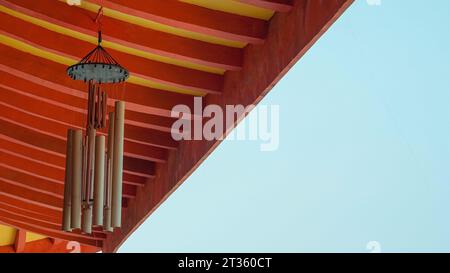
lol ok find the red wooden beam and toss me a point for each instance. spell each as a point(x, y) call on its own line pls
point(30, 124)
point(46, 245)
point(27, 150)
point(97, 233)
point(10, 158)
point(193, 18)
point(140, 167)
point(83, 239)
point(275, 5)
point(20, 240)
point(37, 207)
point(14, 188)
point(21, 170)
point(42, 71)
point(39, 160)
point(56, 241)
point(32, 182)
point(43, 141)
point(133, 36)
point(28, 110)
point(263, 67)
point(140, 99)
point(37, 222)
point(28, 213)
point(20, 190)
point(129, 191)
point(136, 180)
point(14, 174)
point(56, 173)
point(141, 67)
point(29, 205)
point(75, 103)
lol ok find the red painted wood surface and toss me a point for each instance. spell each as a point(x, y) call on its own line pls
point(39, 102)
point(141, 38)
point(50, 245)
point(290, 36)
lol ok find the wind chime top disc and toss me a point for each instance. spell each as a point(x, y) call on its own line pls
point(98, 66)
point(98, 72)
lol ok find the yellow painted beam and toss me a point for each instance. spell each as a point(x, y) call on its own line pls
point(107, 44)
point(234, 7)
point(158, 26)
point(34, 237)
point(22, 46)
point(8, 236)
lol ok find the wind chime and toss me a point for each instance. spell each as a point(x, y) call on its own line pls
point(93, 178)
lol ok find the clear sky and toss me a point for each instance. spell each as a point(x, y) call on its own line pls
point(364, 150)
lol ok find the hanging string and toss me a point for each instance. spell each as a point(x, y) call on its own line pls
point(98, 19)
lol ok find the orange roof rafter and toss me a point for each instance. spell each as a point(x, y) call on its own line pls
point(31, 92)
point(56, 174)
point(291, 35)
point(83, 239)
point(37, 112)
point(35, 161)
point(275, 5)
point(196, 19)
point(12, 213)
point(164, 81)
point(138, 98)
point(40, 141)
point(13, 174)
point(234, 7)
point(49, 245)
point(128, 38)
point(55, 158)
point(227, 52)
point(36, 197)
point(30, 205)
point(28, 193)
point(20, 240)
point(20, 31)
point(29, 213)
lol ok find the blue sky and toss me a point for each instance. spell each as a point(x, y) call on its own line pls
point(364, 150)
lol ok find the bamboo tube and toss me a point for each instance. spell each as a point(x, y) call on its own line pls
point(116, 217)
point(104, 108)
point(84, 179)
point(99, 179)
point(68, 183)
point(77, 148)
point(108, 191)
point(87, 219)
point(90, 164)
point(107, 220)
point(88, 172)
point(91, 92)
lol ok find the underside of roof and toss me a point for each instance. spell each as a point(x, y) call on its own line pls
point(228, 52)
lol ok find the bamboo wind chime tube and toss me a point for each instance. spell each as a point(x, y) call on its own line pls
point(116, 218)
point(87, 220)
point(99, 180)
point(108, 187)
point(89, 177)
point(68, 183)
point(77, 162)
